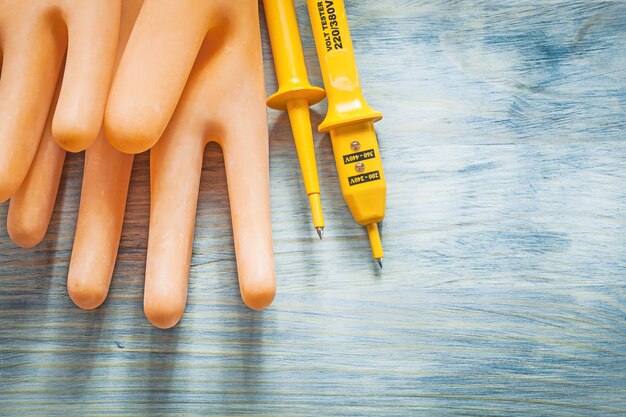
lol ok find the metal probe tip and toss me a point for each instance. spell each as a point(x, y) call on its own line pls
point(380, 262)
point(320, 232)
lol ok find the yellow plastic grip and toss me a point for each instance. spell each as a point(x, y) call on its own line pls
point(346, 104)
point(293, 80)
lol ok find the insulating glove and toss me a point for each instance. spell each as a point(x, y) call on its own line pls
point(216, 93)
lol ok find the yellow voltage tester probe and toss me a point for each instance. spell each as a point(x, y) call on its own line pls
point(295, 94)
point(350, 120)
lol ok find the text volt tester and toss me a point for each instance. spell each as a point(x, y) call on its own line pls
point(350, 120)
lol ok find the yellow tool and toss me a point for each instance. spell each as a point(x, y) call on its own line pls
point(350, 120)
point(295, 94)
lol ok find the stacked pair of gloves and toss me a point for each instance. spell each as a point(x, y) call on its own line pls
point(118, 77)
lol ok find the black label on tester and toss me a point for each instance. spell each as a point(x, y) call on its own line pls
point(359, 156)
point(363, 178)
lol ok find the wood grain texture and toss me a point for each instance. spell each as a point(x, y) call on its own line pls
point(503, 291)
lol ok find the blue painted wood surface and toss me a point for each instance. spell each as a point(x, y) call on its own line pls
point(503, 293)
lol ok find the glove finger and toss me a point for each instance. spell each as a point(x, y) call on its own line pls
point(93, 31)
point(99, 225)
point(154, 69)
point(246, 147)
point(175, 170)
point(31, 62)
point(31, 207)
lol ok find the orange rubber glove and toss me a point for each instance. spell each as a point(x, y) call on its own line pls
point(221, 98)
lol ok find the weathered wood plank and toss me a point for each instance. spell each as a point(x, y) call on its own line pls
point(503, 291)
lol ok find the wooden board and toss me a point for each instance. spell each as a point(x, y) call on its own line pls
point(503, 293)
